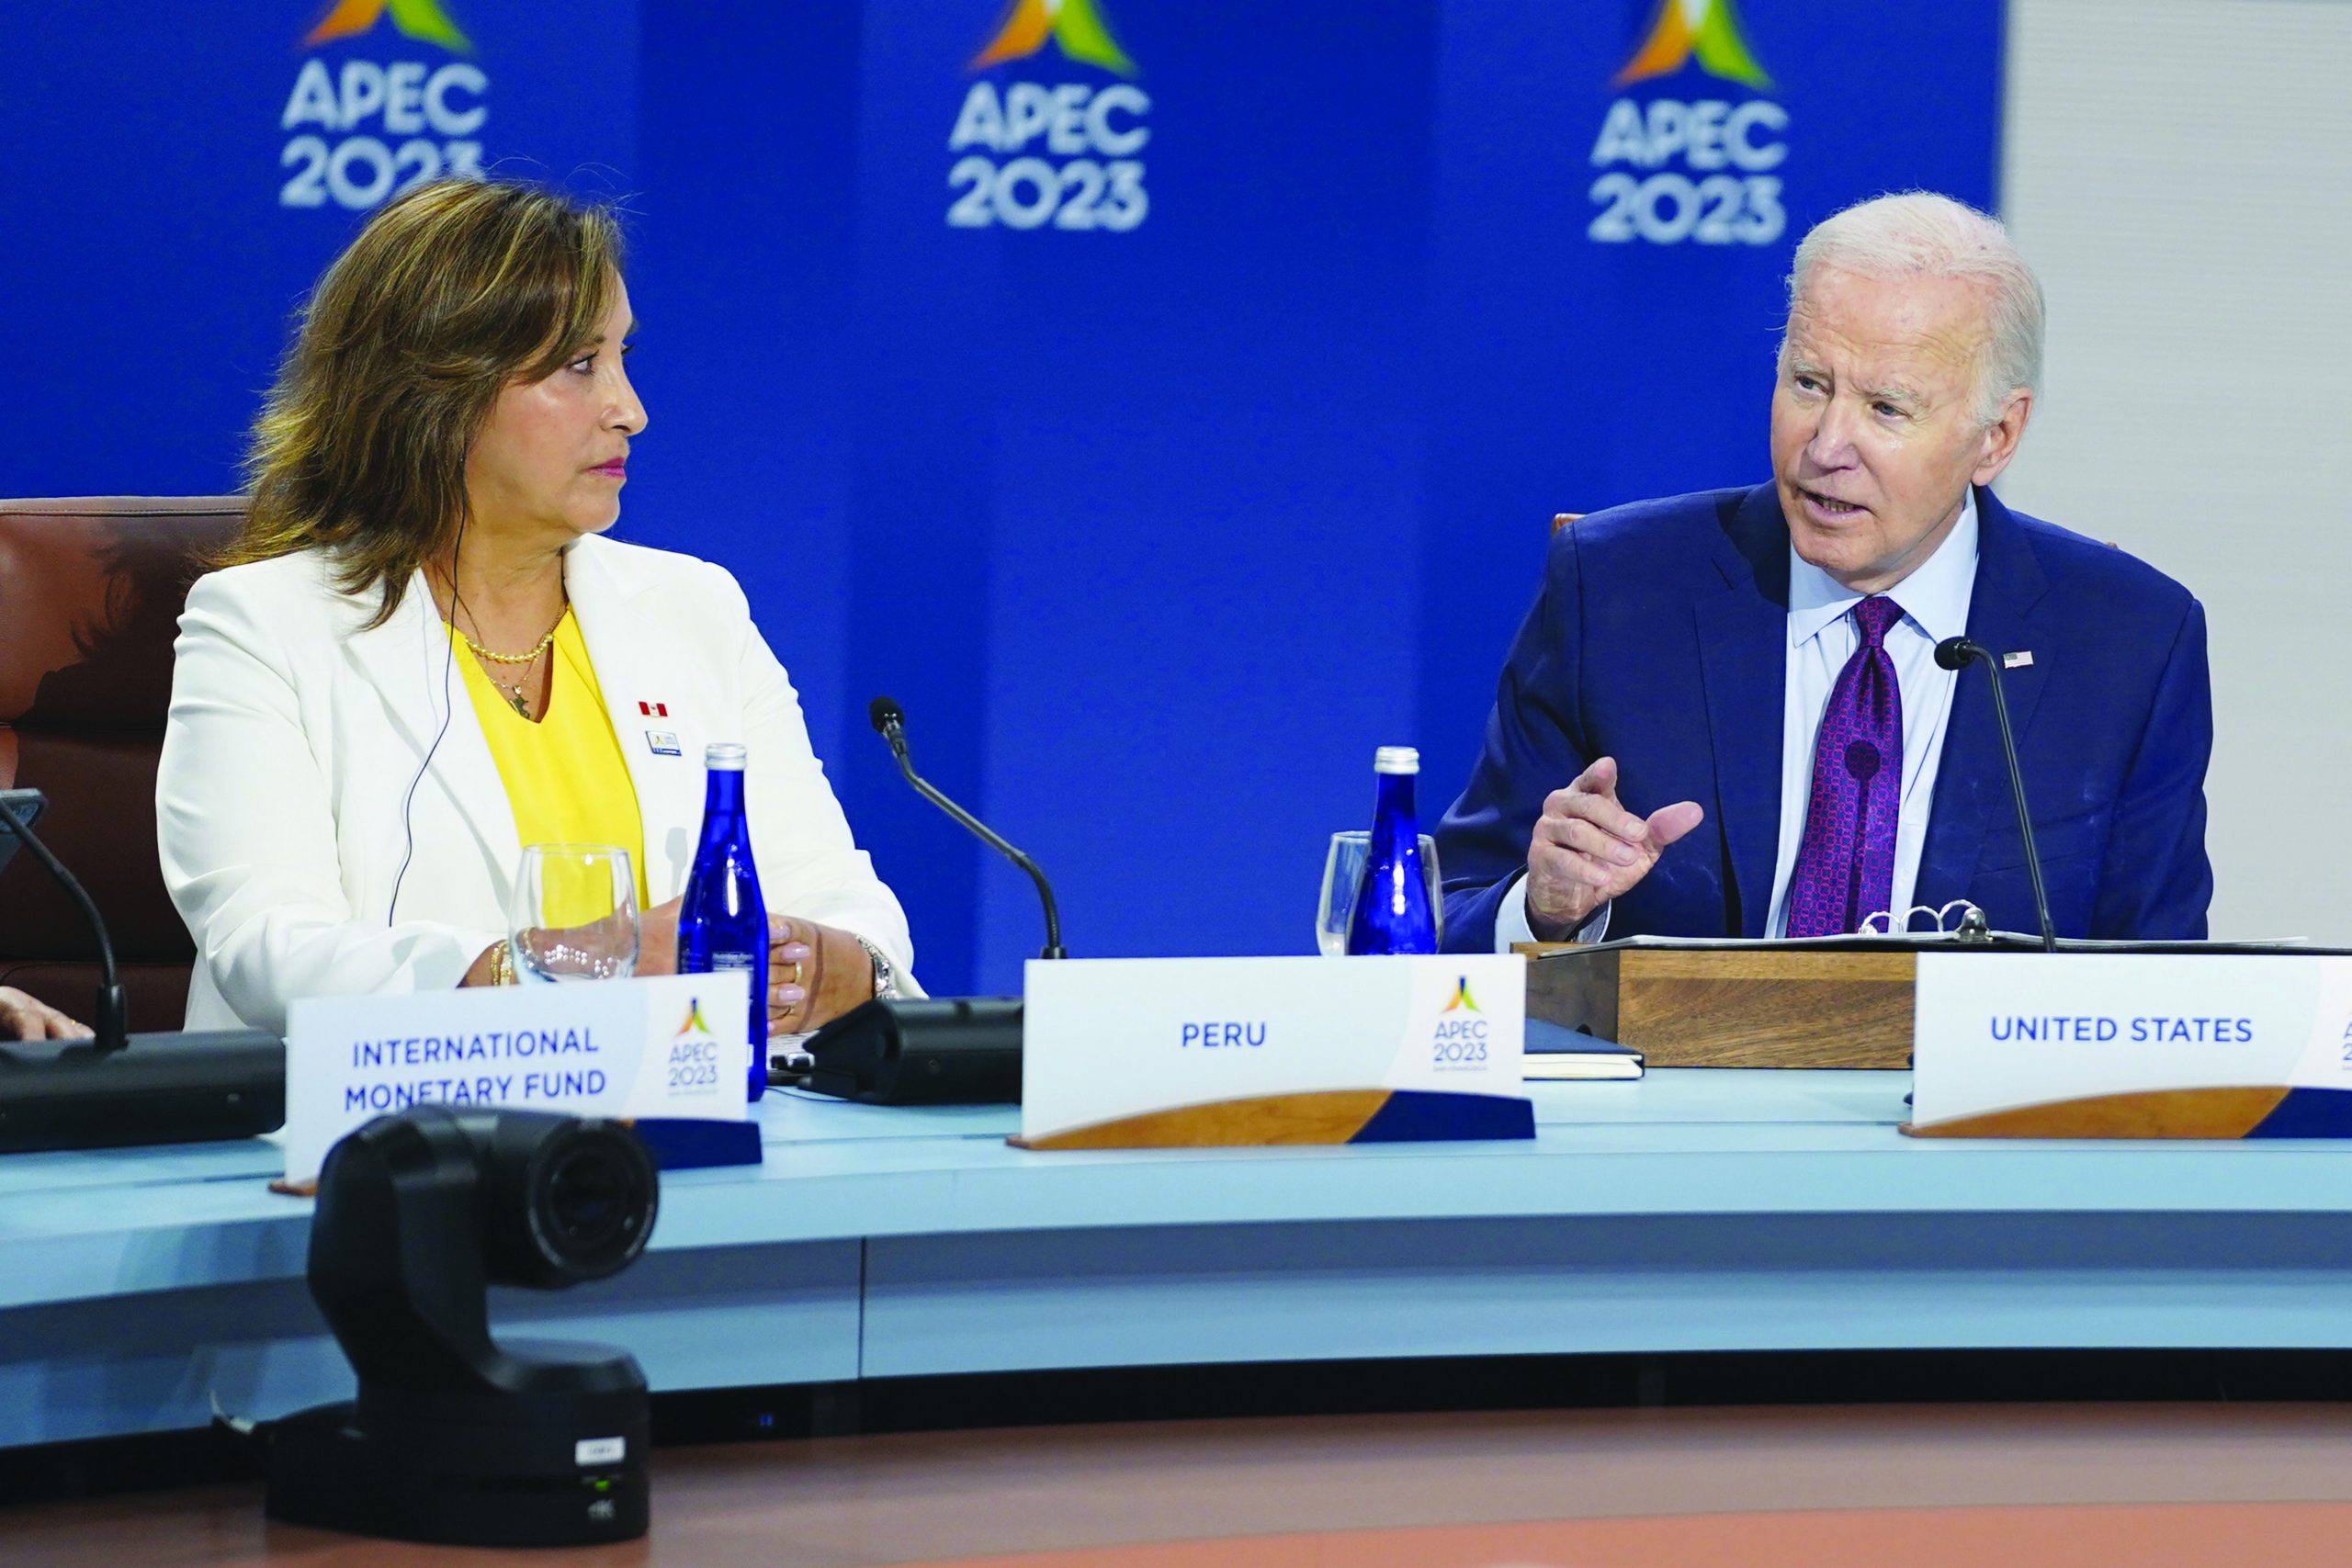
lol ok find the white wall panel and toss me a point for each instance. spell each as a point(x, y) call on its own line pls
point(2180, 173)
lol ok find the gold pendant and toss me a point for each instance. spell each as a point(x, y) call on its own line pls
point(515, 695)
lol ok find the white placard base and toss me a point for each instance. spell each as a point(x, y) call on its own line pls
point(2120, 1045)
point(1137, 1052)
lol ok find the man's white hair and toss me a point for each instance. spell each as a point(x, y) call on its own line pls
point(1920, 234)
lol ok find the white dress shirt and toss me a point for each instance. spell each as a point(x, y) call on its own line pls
point(1822, 637)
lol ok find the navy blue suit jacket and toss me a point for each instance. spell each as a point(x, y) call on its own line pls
point(1660, 638)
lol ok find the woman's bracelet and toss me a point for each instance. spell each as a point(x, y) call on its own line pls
point(502, 968)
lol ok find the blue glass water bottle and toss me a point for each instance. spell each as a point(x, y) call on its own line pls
point(1391, 910)
point(722, 924)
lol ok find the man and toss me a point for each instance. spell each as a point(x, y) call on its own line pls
point(24, 1017)
point(1724, 716)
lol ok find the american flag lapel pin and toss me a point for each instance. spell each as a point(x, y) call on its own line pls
point(2018, 661)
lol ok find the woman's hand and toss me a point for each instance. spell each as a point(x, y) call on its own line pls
point(657, 938)
point(657, 946)
point(815, 974)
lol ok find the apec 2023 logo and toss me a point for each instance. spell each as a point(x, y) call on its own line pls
point(1458, 1040)
point(370, 129)
point(1693, 169)
point(1061, 152)
point(694, 1051)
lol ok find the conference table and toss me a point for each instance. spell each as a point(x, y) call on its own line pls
point(1693, 1209)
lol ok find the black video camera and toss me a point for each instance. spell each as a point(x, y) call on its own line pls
point(456, 1438)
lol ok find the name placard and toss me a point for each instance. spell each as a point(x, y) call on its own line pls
point(670, 1045)
point(2120, 1045)
point(1137, 1052)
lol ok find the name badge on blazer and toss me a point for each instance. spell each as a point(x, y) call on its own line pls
point(662, 743)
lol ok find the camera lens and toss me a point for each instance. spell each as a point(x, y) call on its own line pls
point(592, 1194)
point(588, 1203)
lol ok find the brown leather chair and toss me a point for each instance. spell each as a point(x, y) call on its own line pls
point(91, 591)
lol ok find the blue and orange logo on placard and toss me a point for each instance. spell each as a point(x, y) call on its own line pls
point(1706, 30)
point(694, 1024)
point(422, 19)
point(1075, 27)
point(1460, 1003)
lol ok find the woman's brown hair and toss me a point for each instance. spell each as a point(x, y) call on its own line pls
point(448, 294)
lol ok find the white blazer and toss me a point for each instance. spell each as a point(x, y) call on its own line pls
point(295, 738)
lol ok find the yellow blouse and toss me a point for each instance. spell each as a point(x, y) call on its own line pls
point(565, 776)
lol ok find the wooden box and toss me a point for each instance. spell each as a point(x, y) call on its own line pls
point(1714, 1007)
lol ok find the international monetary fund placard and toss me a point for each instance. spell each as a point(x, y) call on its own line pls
point(671, 1045)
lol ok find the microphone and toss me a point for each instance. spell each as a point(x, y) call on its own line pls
point(17, 808)
point(927, 1050)
point(890, 722)
point(1957, 653)
point(118, 1090)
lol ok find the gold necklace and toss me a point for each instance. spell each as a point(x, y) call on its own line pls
point(514, 695)
point(513, 689)
point(530, 658)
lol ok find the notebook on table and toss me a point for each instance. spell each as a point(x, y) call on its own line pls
point(1554, 1055)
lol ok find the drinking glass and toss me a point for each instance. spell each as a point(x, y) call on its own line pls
point(574, 914)
point(1343, 871)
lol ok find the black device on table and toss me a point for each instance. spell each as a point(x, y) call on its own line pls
point(117, 1088)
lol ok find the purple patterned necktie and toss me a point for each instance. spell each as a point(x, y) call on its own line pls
point(1845, 864)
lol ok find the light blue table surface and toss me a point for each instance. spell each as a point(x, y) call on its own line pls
point(1693, 1210)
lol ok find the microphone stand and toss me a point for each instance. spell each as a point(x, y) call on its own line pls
point(113, 1020)
point(1952, 653)
point(893, 725)
point(930, 1050)
point(101, 1093)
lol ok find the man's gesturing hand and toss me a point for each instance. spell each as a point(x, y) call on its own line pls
point(1587, 848)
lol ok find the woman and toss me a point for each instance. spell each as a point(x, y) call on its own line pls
point(422, 654)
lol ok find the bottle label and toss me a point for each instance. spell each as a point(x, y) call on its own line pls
point(721, 963)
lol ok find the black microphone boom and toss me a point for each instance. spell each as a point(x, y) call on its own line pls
point(1955, 653)
point(930, 1050)
point(891, 723)
point(17, 808)
point(123, 1089)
